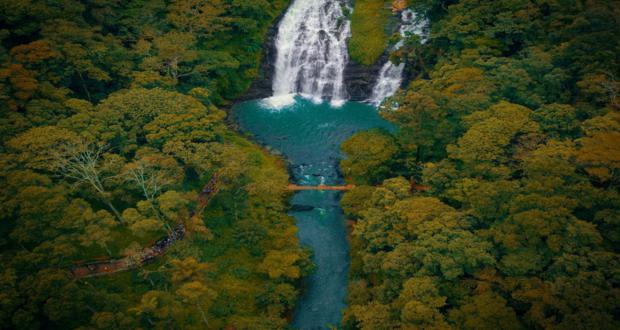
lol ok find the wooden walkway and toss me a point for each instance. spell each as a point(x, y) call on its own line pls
point(294, 187)
point(110, 266)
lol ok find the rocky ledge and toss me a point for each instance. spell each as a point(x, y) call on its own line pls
point(358, 79)
point(261, 86)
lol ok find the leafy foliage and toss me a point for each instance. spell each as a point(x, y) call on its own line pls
point(509, 135)
point(109, 128)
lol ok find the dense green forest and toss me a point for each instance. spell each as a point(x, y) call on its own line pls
point(110, 128)
point(496, 205)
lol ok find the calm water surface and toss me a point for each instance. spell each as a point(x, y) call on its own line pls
point(309, 136)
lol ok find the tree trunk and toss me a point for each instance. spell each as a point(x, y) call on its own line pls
point(84, 86)
point(204, 317)
point(115, 211)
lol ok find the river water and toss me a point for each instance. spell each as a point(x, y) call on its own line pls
point(309, 136)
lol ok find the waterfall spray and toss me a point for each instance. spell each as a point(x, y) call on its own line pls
point(391, 75)
point(311, 53)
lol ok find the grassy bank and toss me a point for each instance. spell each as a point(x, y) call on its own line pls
point(368, 36)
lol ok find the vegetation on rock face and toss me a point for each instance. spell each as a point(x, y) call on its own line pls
point(511, 132)
point(109, 130)
point(369, 38)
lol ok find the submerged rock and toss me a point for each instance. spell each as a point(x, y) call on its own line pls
point(301, 208)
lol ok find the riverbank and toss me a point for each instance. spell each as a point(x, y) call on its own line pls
point(309, 136)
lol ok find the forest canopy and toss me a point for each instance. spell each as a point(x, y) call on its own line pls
point(110, 128)
point(496, 205)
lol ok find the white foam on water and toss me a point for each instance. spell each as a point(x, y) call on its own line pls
point(278, 102)
point(337, 103)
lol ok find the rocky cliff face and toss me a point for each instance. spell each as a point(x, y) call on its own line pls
point(360, 79)
point(261, 87)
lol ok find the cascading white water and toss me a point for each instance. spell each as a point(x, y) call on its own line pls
point(391, 75)
point(388, 82)
point(311, 53)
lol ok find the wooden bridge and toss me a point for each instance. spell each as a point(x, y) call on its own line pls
point(294, 187)
point(106, 266)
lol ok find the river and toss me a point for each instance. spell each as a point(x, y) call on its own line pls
point(311, 56)
point(309, 136)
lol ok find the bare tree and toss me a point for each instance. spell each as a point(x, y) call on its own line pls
point(151, 180)
point(81, 162)
point(148, 180)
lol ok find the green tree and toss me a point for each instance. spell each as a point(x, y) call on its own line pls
point(198, 16)
point(421, 303)
point(485, 311)
point(367, 156)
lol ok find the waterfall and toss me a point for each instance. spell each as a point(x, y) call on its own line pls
point(388, 82)
point(391, 75)
point(311, 53)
